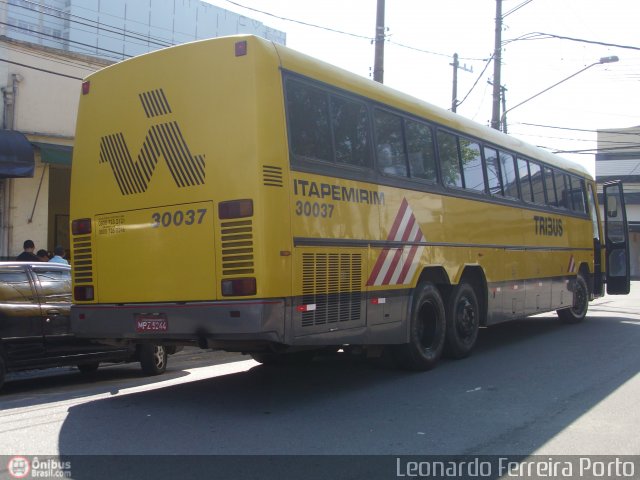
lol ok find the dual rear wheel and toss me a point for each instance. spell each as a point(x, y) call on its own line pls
point(438, 325)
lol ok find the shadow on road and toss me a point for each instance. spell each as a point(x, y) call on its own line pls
point(26, 389)
point(526, 382)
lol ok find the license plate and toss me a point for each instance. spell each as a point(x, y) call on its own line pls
point(151, 323)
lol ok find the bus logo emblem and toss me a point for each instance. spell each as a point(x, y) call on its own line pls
point(162, 140)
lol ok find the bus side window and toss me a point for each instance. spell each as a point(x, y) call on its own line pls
point(577, 193)
point(390, 151)
point(550, 188)
point(449, 159)
point(309, 124)
point(537, 184)
point(508, 170)
point(422, 159)
point(350, 123)
point(472, 166)
point(525, 180)
point(561, 190)
point(493, 171)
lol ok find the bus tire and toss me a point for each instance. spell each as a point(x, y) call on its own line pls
point(463, 321)
point(153, 359)
point(578, 310)
point(427, 326)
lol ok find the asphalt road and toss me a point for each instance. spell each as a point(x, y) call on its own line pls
point(531, 387)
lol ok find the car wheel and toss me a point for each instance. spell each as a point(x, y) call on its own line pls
point(427, 327)
point(2, 371)
point(578, 310)
point(88, 368)
point(153, 359)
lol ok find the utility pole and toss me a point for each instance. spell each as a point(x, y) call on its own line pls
point(497, 63)
point(378, 65)
point(503, 95)
point(456, 66)
point(454, 96)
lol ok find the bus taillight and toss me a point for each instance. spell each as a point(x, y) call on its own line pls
point(81, 226)
point(235, 209)
point(83, 293)
point(241, 48)
point(86, 86)
point(239, 287)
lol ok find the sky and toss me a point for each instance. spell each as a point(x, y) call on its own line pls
point(423, 35)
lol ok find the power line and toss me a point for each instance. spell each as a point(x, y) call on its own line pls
point(600, 142)
point(120, 54)
point(40, 69)
point(621, 132)
point(56, 58)
point(92, 23)
point(517, 7)
point(546, 36)
point(299, 21)
point(477, 80)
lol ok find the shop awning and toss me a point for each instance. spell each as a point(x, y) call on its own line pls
point(52, 153)
point(16, 155)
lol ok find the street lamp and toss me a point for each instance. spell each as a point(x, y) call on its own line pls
point(503, 119)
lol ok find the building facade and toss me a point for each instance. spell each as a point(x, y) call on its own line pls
point(618, 158)
point(46, 48)
point(119, 29)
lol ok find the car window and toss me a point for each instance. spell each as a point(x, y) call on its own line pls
point(55, 284)
point(15, 286)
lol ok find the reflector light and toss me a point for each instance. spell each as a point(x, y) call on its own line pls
point(81, 226)
point(378, 301)
point(241, 48)
point(235, 209)
point(83, 293)
point(239, 287)
point(86, 86)
point(306, 308)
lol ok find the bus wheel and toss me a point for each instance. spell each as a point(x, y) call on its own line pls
point(463, 321)
point(153, 358)
point(578, 310)
point(426, 330)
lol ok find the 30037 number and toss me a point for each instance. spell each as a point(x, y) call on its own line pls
point(314, 209)
point(178, 218)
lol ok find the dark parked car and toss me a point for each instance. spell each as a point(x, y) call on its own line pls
point(35, 300)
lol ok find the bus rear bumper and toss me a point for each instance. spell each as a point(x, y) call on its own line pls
point(186, 323)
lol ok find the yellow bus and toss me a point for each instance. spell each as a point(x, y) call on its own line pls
point(235, 194)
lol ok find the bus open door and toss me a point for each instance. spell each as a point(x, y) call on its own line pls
point(616, 234)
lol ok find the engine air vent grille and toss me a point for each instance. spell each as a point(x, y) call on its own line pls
point(82, 258)
point(272, 176)
point(332, 282)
